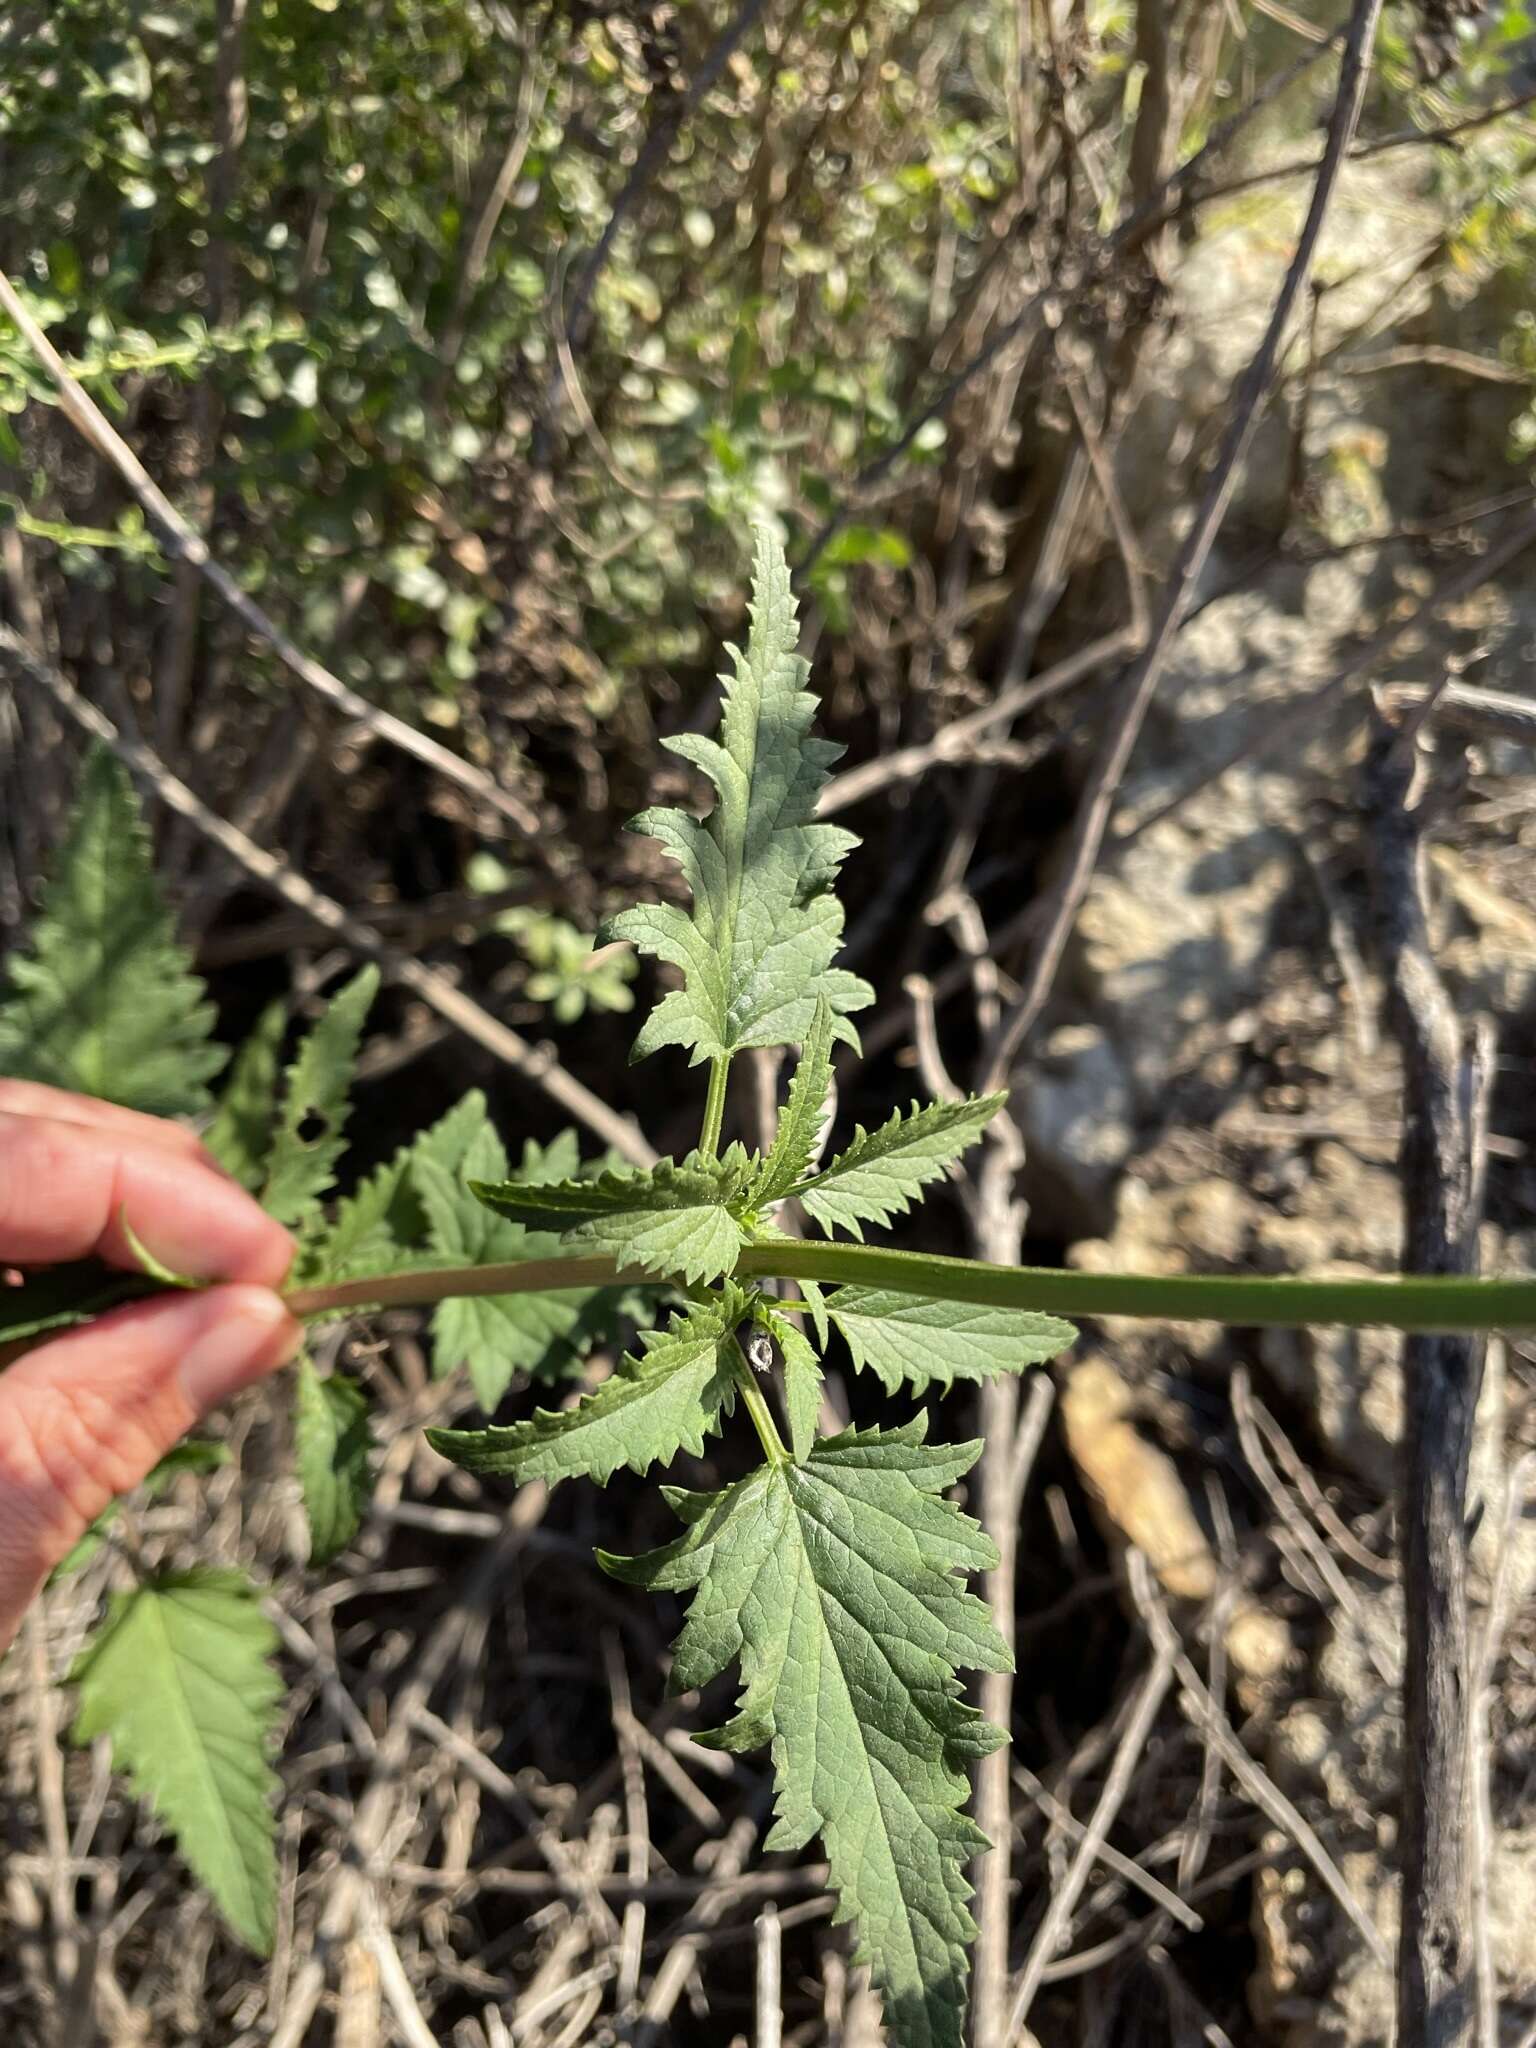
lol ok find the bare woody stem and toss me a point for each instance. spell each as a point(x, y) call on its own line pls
point(1408, 1303)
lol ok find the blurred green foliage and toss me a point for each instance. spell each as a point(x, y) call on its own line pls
point(379, 377)
point(568, 971)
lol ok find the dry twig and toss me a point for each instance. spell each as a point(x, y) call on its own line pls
point(1058, 1914)
point(1446, 1085)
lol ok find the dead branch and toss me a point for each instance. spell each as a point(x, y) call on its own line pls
point(653, 154)
point(1445, 1083)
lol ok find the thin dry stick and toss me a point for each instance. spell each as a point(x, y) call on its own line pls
point(637, 1826)
point(955, 741)
point(653, 153)
point(186, 545)
point(398, 1995)
point(1283, 726)
point(1446, 1087)
point(376, 1808)
point(1012, 1445)
point(359, 1999)
point(1182, 190)
point(1114, 756)
point(1101, 460)
point(667, 1986)
point(51, 1801)
point(535, 1063)
point(230, 116)
point(574, 1987)
point(1053, 1929)
point(769, 1991)
point(1206, 1713)
point(1124, 1866)
point(530, 104)
point(542, 1884)
point(1197, 1831)
point(1327, 1516)
point(564, 1864)
point(1471, 710)
point(672, 1774)
point(1382, 1644)
point(632, 486)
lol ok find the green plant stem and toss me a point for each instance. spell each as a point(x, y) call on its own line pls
point(714, 1108)
point(762, 1416)
point(1235, 1299)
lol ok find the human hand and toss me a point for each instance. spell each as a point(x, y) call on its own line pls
point(85, 1416)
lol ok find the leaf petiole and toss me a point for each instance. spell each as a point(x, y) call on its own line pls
point(714, 1107)
point(752, 1400)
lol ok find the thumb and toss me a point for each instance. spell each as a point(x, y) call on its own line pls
point(85, 1417)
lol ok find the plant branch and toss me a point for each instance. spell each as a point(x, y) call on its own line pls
point(659, 139)
point(1181, 191)
point(1412, 1303)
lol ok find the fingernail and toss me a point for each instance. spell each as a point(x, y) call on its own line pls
point(247, 1333)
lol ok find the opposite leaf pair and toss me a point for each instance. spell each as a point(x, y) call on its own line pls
point(694, 1218)
point(831, 1571)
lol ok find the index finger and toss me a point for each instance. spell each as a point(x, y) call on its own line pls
point(35, 1098)
point(66, 1190)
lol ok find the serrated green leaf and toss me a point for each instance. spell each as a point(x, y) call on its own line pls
point(672, 1219)
point(180, 1679)
point(834, 1584)
point(816, 1307)
point(310, 1135)
point(803, 1116)
point(757, 951)
point(105, 1001)
point(916, 1338)
point(240, 1135)
point(497, 1335)
point(802, 1380)
point(333, 1444)
point(885, 1170)
point(383, 1226)
point(417, 1210)
point(651, 1408)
